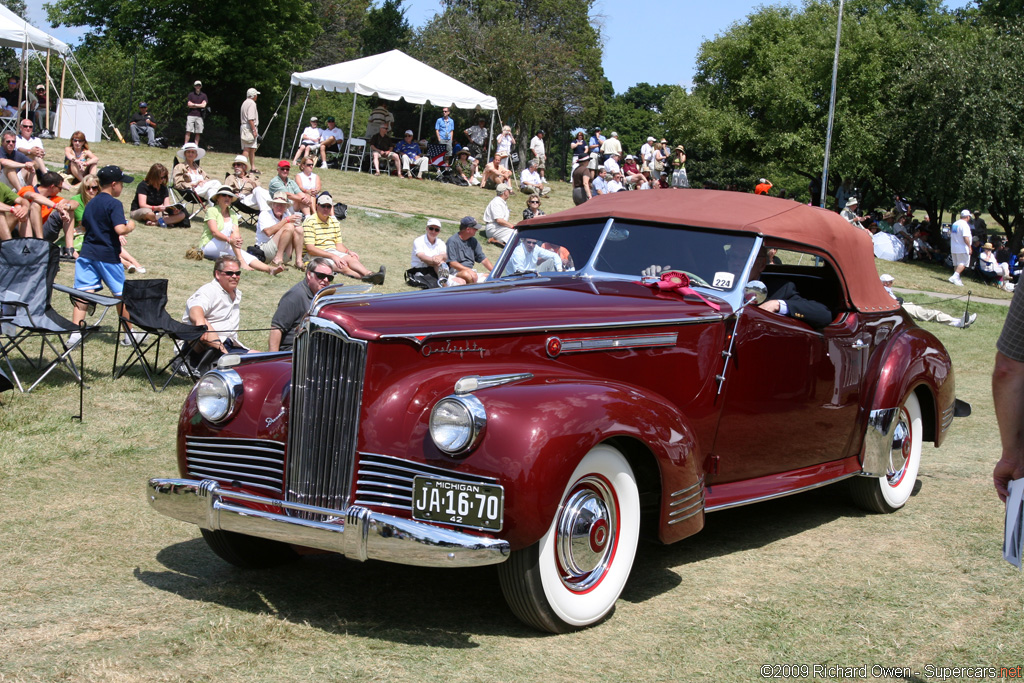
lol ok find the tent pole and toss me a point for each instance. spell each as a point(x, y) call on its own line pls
point(490, 137)
point(284, 129)
point(419, 128)
point(63, 72)
point(298, 127)
point(24, 73)
point(46, 115)
point(352, 121)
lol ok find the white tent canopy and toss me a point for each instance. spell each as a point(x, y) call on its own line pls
point(390, 75)
point(395, 75)
point(17, 33)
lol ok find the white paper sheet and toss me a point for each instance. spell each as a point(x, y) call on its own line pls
point(1014, 523)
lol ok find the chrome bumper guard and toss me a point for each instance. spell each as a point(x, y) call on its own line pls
point(356, 532)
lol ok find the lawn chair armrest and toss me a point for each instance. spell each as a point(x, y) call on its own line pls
point(90, 298)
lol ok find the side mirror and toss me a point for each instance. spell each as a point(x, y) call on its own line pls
point(755, 293)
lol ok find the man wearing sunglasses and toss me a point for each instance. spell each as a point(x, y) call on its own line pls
point(217, 305)
point(18, 169)
point(296, 301)
point(429, 258)
point(31, 146)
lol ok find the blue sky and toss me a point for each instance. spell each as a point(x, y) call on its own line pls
point(652, 41)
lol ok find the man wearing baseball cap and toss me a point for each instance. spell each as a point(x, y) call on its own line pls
point(310, 141)
point(464, 252)
point(142, 123)
point(409, 152)
point(322, 235)
point(99, 262)
point(429, 258)
point(196, 103)
point(960, 246)
point(250, 130)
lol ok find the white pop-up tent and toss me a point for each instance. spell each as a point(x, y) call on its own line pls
point(390, 75)
point(17, 33)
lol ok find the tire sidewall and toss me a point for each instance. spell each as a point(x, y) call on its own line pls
point(582, 609)
point(897, 496)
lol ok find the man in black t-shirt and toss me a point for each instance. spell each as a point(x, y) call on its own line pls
point(295, 303)
point(197, 104)
point(143, 124)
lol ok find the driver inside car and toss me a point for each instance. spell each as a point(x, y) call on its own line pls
point(529, 257)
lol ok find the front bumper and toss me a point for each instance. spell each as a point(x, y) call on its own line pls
point(356, 532)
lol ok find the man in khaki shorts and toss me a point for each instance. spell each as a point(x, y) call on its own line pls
point(250, 127)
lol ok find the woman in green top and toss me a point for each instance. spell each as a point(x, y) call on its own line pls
point(89, 188)
point(222, 238)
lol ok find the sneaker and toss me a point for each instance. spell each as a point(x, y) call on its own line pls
point(323, 165)
point(131, 269)
point(140, 270)
point(139, 338)
point(970, 320)
point(955, 279)
point(443, 273)
point(73, 339)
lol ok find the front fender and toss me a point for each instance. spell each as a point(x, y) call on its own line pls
point(538, 432)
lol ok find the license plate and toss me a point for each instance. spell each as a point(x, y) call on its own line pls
point(462, 503)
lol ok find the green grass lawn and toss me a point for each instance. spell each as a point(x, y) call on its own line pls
point(95, 586)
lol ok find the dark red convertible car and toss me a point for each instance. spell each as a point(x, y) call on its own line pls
point(627, 369)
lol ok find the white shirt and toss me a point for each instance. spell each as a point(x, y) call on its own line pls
point(530, 177)
point(495, 210)
point(614, 185)
point(23, 144)
point(422, 245)
point(312, 134)
point(645, 152)
point(306, 181)
point(223, 315)
point(524, 261)
point(335, 133)
point(537, 146)
point(612, 166)
point(266, 220)
point(959, 237)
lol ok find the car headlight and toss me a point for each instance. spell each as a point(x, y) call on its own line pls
point(457, 423)
point(218, 395)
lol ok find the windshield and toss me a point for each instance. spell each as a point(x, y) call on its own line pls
point(714, 260)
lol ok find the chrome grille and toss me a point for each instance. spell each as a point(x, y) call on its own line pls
point(327, 390)
point(385, 481)
point(256, 463)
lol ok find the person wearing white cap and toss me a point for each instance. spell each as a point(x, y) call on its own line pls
point(250, 128)
point(929, 315)
point(408, 150)
point(189, 175)
point(310, 141)
point(322, 237)
point(611, 146)
point(646, 150)
point(960, 246)
point(497, 226)
point(430, 257)
point(221, 235)
point(196, 103)
point(279, 231)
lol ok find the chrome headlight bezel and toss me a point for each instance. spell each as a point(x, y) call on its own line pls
point(224, 397)
point(470, 421)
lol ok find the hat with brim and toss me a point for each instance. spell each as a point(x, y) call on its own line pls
point(240, 159)
point(468, 222)
point(193, 147)
point(852, 201)
point(462, 151)
point(281, 198)
point(433, 223)
point(502, 187)
point(987, 245)
point(223, 191)
point(885, 277)
point(325, 200)
point(679, 148)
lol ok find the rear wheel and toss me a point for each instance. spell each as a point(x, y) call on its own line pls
point(248, 552)
point(573, 575)
point(892, 490)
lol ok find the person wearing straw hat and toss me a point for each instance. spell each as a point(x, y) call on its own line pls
point(246, 185)
point(189, 175)
point(221, 236)
point(989, 268)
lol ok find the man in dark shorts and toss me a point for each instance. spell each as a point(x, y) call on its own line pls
point(99, 262)
point(295, 303)
point(1008, 395)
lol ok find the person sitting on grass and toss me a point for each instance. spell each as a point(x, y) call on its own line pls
point(79, 161)
point(322, 236)
point(17, 169)
point(495, 173)
point(464, 252)
point(217, 307)
point(49, 215)
point(153, 205)
point(221, 236)
point(14, 213)
point(279, 231)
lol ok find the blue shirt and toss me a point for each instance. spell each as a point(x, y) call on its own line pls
point(410, 149)
point(600, 184)
point(444, 128)
point(595, 142)
point(101, 241)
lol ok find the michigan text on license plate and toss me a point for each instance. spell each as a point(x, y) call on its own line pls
point(463, 503)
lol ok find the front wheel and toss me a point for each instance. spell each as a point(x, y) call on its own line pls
point(892, 490)
point(573, 575)
point(248, 552)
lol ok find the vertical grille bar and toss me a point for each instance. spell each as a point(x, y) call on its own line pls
point(327, 391)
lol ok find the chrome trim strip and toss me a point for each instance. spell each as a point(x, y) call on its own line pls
point(680, 511)
point(680, 519)
point(878, 441)
point(339, 294)
point(473, 383)
point(615, 343)
point(811, 487)
point(700, 482)
point(355, 532)
point(684, 500)
point(947, 418)
point(421, 337)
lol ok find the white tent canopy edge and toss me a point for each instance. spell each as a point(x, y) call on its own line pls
point(392, 76)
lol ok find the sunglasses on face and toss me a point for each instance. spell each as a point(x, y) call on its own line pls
point(324, 276)
point(231, 273)
point(433, 229)
point(29, 127)
point(92, 188)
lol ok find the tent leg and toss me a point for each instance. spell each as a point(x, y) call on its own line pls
point(63, 71)
point(419, 128)
point(490, 138)
point(352, 120)
point(298, 128)
point(284, 130)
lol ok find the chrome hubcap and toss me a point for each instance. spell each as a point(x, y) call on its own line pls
point(899, 452)
point(586, 534)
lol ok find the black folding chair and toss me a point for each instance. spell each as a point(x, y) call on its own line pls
point(28, 267)
point(248, 217)
point(145, 302)
point(439, 165)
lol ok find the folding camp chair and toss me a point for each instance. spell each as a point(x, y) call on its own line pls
point(355, 152)
point(248, 217)
point(145, 302)
point(438, 165)
point(193, 203)
point(27, 269)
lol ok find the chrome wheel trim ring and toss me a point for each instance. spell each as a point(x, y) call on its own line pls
point(900, 450)
point(587, 533)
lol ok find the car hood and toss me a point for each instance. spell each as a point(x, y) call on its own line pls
point(518, 306)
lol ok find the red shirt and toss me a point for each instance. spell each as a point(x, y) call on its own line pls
point(762, 188)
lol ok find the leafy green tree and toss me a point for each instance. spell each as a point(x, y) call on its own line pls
point(386, 28)
point(342, 22)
